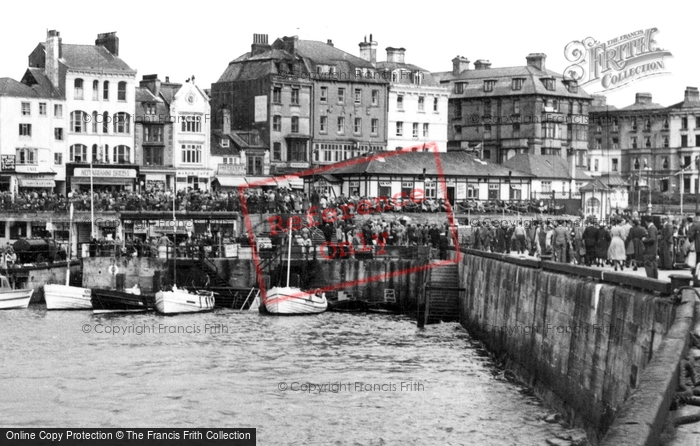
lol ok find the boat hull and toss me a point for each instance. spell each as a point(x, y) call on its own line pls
point(10, 299)
point(111, 301)
point(63, 297)
point(288, 300)
point(180, 301)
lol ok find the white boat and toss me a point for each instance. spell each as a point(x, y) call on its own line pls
point(182, 301)
point(13, 298)
point(292, 300)
point(66, 297)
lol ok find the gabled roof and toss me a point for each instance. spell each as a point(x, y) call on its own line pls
point(168, 91)
point(92, 57)
point(596, 184)
point(544, 166)
point(428, 78)
point(34, 84)
point(454, 164)
point(143, 97)
point(238, 140)
point(503, 77)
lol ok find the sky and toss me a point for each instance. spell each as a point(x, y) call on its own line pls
point(200, 38)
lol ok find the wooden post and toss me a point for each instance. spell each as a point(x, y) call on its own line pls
point(156, 281)
point(121, 279)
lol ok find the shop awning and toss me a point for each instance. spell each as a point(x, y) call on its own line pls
point(31, 182)
point(295, 182)
point(230, 181)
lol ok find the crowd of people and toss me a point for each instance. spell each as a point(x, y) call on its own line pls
point(624, 241)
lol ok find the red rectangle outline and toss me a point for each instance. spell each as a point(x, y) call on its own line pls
point(351, 162)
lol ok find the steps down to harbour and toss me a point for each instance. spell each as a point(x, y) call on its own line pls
point(442, 293)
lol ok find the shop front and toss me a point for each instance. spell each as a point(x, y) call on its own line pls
point(194, 179)
point(116, 178)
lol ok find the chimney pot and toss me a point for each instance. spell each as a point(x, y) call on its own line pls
point(396, 55)
point(368, 50)
point(330, 42)
point(110, 41)
point(642, 98)
point(536, 60)
point(692, 94)
point(167, 79)
point(459, 64)
point(482, 64)
point(259, 45)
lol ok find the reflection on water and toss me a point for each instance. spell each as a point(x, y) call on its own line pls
point(226, 369)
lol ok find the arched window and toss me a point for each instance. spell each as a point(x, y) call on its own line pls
point(78, 88)
point(95, 90)
point(121, 91)
point(95, 154)
point(121, 123)
point(105, 90)
point(105, 122)
point(78, 153)
point(94, 122)
point(122, 155)
point(78, 121)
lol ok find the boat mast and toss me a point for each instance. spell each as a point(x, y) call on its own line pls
point(174, 241)
point(70, 244)
point(289, 252)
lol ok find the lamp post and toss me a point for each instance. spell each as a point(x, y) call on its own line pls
point(697, 183)
point(648, 169)
point(681, 185)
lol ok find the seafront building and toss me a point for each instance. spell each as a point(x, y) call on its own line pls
point(172, 130)
point(502, 112)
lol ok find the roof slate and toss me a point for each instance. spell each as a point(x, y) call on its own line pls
point(544, 166)
point(92, 57)
point(454, 164)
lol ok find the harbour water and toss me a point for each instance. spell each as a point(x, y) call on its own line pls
point(330, 379)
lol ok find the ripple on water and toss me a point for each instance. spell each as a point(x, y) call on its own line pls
point(56, 375)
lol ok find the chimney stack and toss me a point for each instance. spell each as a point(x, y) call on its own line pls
point(152, 83)
point(259, 45)
point(53, 53)
point(225, 121)
point(396, 55)
point(536, 60)
point(459, 64)
point(110, 41)
point(368, 50)
point(691, 94)
point(291, 44)
point(329, 42)
point(599, 100)
point(642, 98)
point(482, 64)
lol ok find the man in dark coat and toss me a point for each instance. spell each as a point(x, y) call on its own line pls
point(651, 249)
point(666, 244)
point(636, 235)
point(694, 232)
point(590, 240)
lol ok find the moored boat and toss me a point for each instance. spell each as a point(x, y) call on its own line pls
point(13, 298)
point(182, 301)
point(65, 297)
point(112, 301)
point(292, 300)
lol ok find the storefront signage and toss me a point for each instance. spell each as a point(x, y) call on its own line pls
point(231, 250)
point(7, 162)
point(105, 173)
point(407, 184)
point(232, 169)
point(192, 173)
point(299, 165)
point(385, 183)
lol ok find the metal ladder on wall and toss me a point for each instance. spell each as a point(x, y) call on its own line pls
point(255, 304)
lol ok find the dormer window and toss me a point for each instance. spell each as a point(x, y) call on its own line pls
point(459, 87)
point(224, 142)
point(517, 84)
point(549, 83)
point(572, 86)
point(488, 86)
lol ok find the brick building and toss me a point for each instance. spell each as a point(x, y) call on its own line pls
point(502, 112)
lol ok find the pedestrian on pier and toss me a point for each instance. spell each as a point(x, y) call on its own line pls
point(651, 248)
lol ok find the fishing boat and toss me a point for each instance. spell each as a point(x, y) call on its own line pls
point(67, 297)
point(179, 300)
point(292, 300)
point(112, 301)
point(13, 298)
